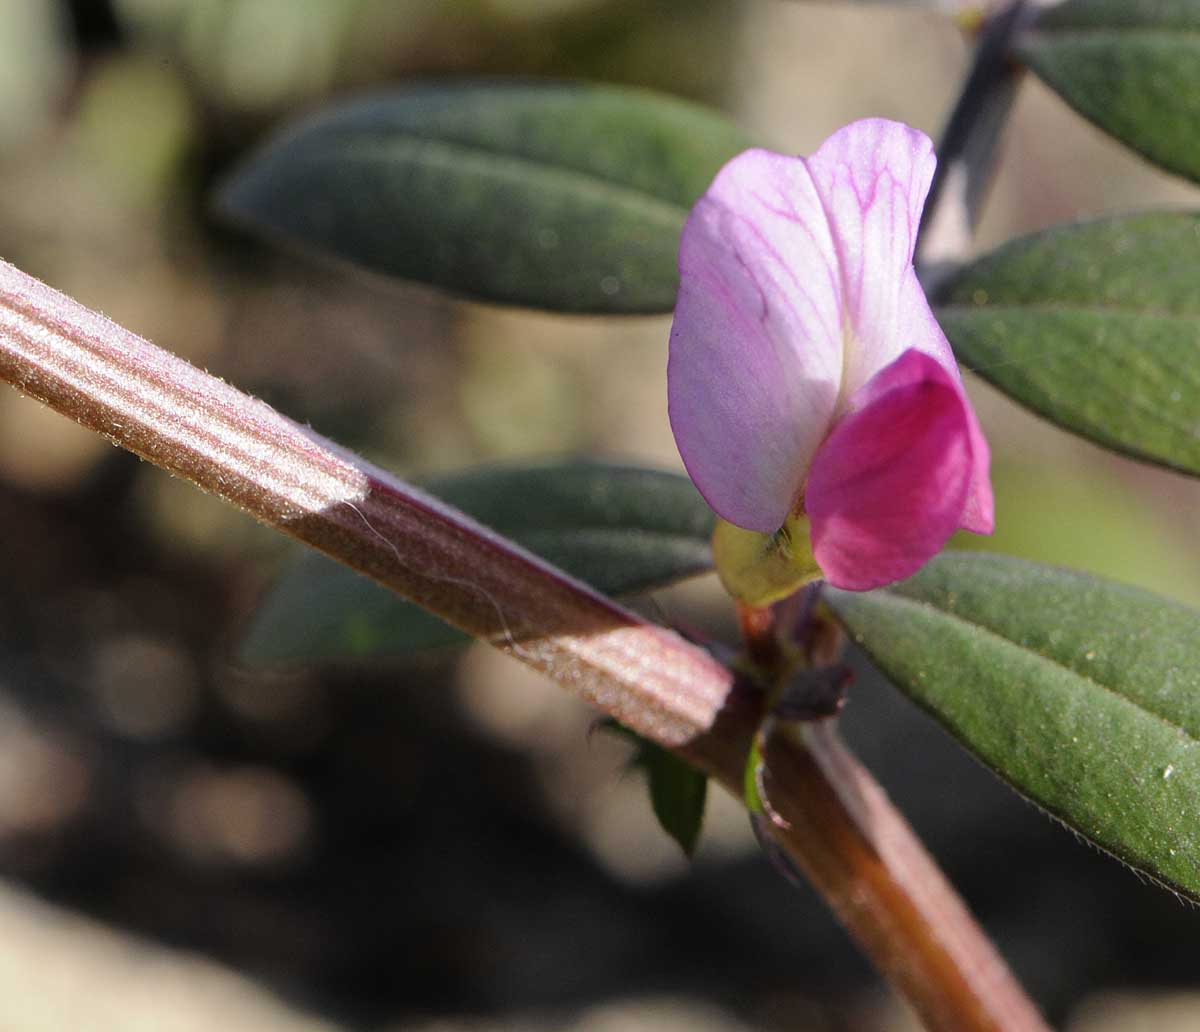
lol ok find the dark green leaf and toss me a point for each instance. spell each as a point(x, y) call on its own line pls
point(1130, 66)
point(677, 793)
point(1095, 326)
point(560, 196)
point(620, 528)
point(1083, 694)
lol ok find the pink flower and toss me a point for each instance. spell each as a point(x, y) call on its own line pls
point(807, 373)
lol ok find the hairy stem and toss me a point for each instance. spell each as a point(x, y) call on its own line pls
point(862, 856)
point(200, 428)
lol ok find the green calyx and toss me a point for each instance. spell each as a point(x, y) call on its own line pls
point(760, 568)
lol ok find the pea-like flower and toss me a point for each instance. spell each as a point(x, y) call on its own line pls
point(808, 381)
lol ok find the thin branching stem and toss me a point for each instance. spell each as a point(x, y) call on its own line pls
point(968, 149)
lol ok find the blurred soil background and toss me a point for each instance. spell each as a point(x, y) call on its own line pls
point(185, 844)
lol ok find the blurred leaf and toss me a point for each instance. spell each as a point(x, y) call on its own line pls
point(562, 196)
point(322, 611)
point(135, 126)
point(1081, 693)
point(1094, 326)
point(677, 793)
point(1130, 66)
point(34, 69)
point(971, 9)
point(620, 528)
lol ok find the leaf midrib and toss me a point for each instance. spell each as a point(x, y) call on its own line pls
point(517, 167)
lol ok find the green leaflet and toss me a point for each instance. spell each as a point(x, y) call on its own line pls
point(1095, 326)
point(1082, 694)
point(563, 196)
point(1130, 66)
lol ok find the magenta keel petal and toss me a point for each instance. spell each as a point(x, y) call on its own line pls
point(892, 481)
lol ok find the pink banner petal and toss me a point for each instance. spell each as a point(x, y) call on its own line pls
point(872, 177)
point(756, 345)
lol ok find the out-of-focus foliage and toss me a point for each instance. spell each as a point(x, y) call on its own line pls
point(256, 56)
point(1095, 326)
point(561, 196)
point(136, 125)
point(1132, 67)
point(1083, 694)
point(33, 67)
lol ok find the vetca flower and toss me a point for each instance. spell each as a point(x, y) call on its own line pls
point(810, 388)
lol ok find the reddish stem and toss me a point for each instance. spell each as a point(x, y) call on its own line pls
point(861, 856)
point(200, 428)
point(838, 825)
point(757, 624)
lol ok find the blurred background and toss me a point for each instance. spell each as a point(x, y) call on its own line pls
point(187, 844)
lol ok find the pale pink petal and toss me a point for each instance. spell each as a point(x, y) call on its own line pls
point(872, 177)
point(896, 476)
point(756, 345)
